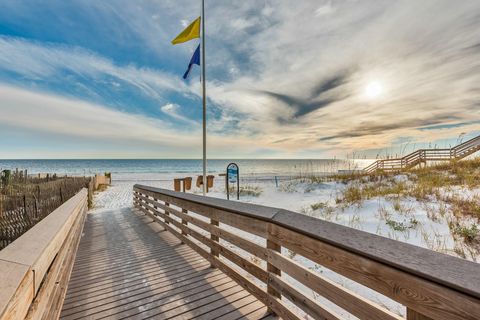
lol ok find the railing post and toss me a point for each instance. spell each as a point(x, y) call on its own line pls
point(155, 207)
point(166, 212)
point(184, 222)
point(272, 245)
point(414, 315)
point(215, 238)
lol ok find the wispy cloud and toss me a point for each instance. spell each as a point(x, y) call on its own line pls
point(41, 61)
point(173, 110)
point(58, 119)
point(417, 53)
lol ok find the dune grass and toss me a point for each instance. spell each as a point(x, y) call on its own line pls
point(450, 187)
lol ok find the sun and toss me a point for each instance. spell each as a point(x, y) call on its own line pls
point(373, 89)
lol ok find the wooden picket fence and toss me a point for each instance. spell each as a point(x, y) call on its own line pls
point(24, 204)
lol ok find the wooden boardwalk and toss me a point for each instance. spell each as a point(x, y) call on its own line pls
point(128, 267)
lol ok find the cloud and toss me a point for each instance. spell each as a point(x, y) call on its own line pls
point(319, 98)
point(42, 61)
point(291, 78)
point(312, 75)
point(58, 115)
point(104, 132)
point(173, 110)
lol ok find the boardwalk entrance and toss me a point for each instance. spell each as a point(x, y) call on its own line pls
point(122, 264)
point(128, 267)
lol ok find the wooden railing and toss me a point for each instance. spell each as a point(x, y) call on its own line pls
point(249, 243)
point(35, 268)
point(423, 155)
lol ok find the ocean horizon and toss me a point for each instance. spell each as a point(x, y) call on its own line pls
point(86, 167)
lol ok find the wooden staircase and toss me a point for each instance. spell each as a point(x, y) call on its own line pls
point(423, 155)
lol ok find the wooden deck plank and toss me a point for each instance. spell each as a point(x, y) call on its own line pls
point(128, 307)
point(143, 290)
point(227, 310)
point(190, 302)
point(128, 282)
point(128, 267)
point(95, 273)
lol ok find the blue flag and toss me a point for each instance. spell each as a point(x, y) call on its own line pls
point(195, 60)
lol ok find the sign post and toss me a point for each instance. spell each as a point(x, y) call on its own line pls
point(233, 176)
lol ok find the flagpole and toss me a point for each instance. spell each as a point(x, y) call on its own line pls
point(204, 104)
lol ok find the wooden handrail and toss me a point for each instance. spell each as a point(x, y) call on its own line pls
point(35, 268)
point(430, 284)
point(422, 155)
point(473, 141)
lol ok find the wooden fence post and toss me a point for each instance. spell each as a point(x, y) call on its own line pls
point(36, 207)
point(271, 268)
point(25, 206)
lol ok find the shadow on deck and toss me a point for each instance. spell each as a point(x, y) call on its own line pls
point(127, 266)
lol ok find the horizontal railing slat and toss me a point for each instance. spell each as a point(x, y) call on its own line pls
point(244, 282)
point(213, 210)
point(406, 288)
point(307, 304)
point(235, 258)
point(242, 243)
point(348, 300)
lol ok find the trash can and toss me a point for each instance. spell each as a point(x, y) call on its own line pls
point(176, 184)
point(188, 183)
point(210, 181)
point(199, 181)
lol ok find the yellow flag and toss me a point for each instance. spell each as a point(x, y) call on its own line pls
point(190, 32)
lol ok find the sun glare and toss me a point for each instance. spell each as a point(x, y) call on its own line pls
point(373, 89)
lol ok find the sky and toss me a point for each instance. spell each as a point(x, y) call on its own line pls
point(285, 79)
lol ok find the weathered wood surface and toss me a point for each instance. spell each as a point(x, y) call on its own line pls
point(418, 261)
point(128, 266)
point(427, 283)
point(37, 264)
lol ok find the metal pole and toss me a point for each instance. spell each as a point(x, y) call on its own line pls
point(204, 104)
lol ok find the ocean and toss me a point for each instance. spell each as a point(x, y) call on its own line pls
point(131, 168)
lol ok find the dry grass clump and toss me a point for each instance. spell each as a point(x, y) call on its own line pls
point(465, 207)
point(352, 194)
point(247, 190)
point(402, 225)
point(421, 184)
point(318, 205)
point(358, 191)
point(455, 173)
point(468, 233)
